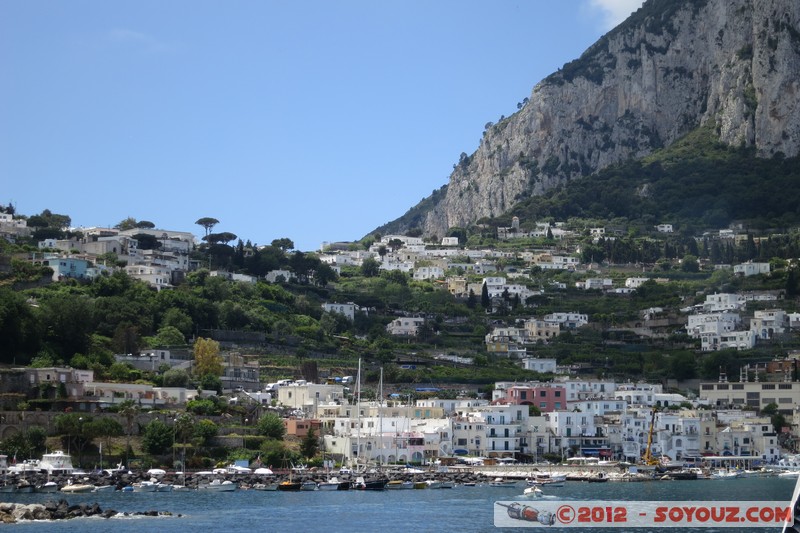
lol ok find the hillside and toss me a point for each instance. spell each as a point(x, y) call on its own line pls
point(672, 67)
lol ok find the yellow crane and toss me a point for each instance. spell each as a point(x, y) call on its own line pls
point(648, 458)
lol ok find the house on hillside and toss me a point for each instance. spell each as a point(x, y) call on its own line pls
point(405, 326)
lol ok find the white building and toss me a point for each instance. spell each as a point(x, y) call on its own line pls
point(768, 323)
point(405, 326)
point(712, 323)
point(541, 365)
point(348, 310)
point(751, 269)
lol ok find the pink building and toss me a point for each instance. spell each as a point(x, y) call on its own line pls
point(544, 396)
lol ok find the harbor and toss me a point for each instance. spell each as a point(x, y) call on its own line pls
point(463, 508)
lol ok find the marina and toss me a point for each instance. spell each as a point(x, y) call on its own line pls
point(463, 508)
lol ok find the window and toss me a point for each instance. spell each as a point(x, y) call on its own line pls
point(557, 394)
point(785, 386)
point(737, 386)
point(542, 393)
point(768, 386)
point(543, 405)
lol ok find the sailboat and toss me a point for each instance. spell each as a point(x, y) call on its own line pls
point(361, 483)
point(289, 485)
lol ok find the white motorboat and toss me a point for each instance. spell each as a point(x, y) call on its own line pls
point(48, 487)
point(77, 487)
point(145, 486)
point(218, 485)
point(104, 488)
point(308, 485)
point(57, 462)
point(500, 482)
point(533, 492)
point(334, 484)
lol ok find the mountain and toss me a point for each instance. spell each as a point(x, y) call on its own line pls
point(728, 66)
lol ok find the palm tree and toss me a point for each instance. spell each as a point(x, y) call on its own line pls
point(130, 411)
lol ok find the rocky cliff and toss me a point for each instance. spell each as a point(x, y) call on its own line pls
point(669, 68)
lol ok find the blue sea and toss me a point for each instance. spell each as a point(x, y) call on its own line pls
point(458, 509)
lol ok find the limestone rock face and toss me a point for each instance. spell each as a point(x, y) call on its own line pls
point(672, 66)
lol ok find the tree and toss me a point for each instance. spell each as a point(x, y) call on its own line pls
point(220, 238)
point(370, 268)
point(176, 377)
point(77, 431)
point(129, 411)
point(168, 336)
point(310, 444)
point(285, 244)
point(395, 244)
point(207, 360)
point(205, 430)
point(690, 264)
point(107, 428)
point(145, 224)
point(157, 437)
point(126, 224)
point(271, 425)
point(486, 302)
point(207, 223)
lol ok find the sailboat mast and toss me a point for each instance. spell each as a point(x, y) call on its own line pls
point(380, 419)
point(358, 410)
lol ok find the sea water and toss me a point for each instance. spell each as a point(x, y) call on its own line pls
point(426, 510)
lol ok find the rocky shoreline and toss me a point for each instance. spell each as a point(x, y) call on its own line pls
point(193, 480)
point(11, 513)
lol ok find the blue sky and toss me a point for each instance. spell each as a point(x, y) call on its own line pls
point(316, 120)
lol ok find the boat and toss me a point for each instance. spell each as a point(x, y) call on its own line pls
point(266, 486)
point(374, 484)
point(533, 492)
point(420, 485)
point(24, 487)
point(48, 487)
point(104, 488)
point(180, 488)
point(447, 485)
point(308, 485)
point(334, 484)
point(500, 482)
point(57, 462)
point(433, 484)
point(397, 484)
point(218, 485)
point(724, 474)
point(145, 486)
point(76, 488)
point(164, 487)
point(289, 486)
point(8, 488)
point(554, 480)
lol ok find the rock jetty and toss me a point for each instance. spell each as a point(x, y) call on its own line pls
point(60, 510)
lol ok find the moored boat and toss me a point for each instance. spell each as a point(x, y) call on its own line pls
point(334, 484)
point(374, 484)
point(218, 485)
point(48, 487)
point(77, 487)
point(289, 486)
point(308, 486)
